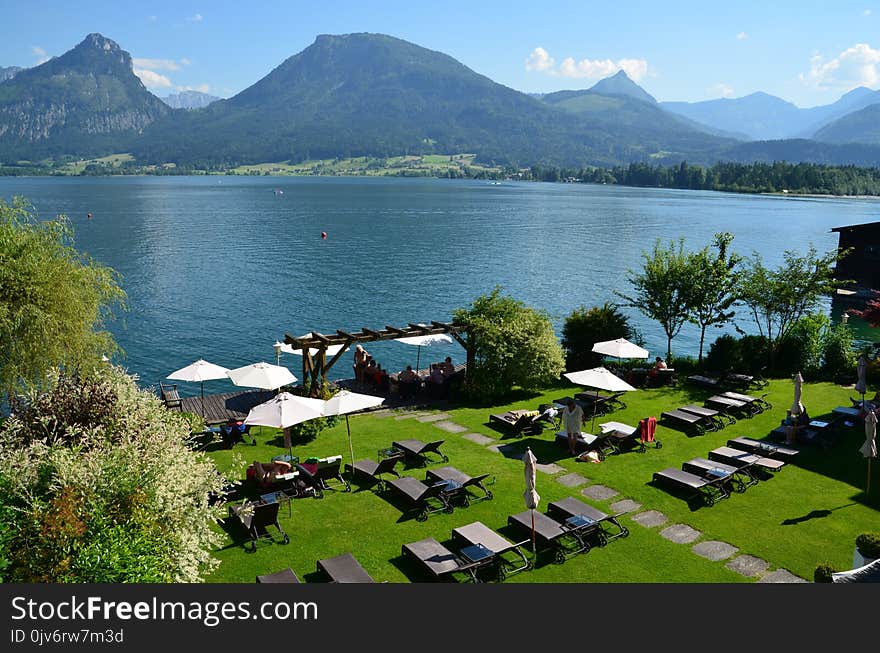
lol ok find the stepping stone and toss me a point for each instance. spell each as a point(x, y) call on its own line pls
point(434, 418)
point(479, 439)
point(451, 427)
point(747, 565)
point(571, 480)
point(599, 492)
point(508, 451)
point(781, 576)
point(625, 505)
point(380, 413)
point(650, 518)
point(409, 415)
point(549, 468)
point(714, 550)
point(680, 533)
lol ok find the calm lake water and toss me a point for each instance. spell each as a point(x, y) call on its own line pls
point(220, 267)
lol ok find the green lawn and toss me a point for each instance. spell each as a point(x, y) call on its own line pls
point(809, 512)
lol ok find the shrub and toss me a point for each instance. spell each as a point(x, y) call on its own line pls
point(868, 544)
point(754, 353)
point(584, 327)
point(838, 355)
point(823, 572)
point(725, 354)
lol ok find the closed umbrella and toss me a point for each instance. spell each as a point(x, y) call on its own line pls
point(869, 448)
point(200, 371)
point(532, 498)
point(262, 375)
point(420, 341)
point(600, 379)
point(283, 411)
point(620, 348)
point(345, 402)
point(797, 408)
point(862, 382)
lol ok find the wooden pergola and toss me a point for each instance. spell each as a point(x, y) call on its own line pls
point(315, 367)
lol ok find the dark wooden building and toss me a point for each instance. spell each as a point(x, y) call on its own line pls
point(862, 265)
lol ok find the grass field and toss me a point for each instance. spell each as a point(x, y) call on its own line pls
point(427, 165)
point(809, 512)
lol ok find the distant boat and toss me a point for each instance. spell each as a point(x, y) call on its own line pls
point(278, 191)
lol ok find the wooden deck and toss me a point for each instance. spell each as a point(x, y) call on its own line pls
point(229, 405)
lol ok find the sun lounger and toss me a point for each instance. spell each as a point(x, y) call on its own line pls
point(757, 404)
point(739, 478)
point(344, 568)
point(720, 420)
point(419, 451)
point(518, 422)
point(440, 561)
point(705, 381)
point(767, 449)
point(565, 539)
point(600, 403)
point(622, 437)
point(459, 485)
point(571, 507)
point(727, 405)
point(318, 473)
point(283, 576)
point(738, 380)
point(480, 542)
point(690, 422)
point(256, 517)
point(373, 471)
point(710, 490)
point(422, 498)
point(170, 396)
point(740, 458)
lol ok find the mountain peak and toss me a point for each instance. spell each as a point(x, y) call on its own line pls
point(99, 42)
point(620, 84)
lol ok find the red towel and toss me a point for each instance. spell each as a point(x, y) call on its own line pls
point(647, 427)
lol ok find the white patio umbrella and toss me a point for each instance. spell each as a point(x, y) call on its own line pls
point(283, 411)
point(200, 371)
point(531, 496)
point(620, 348)
point(869, 448)
point(797, 408)
point(261, 375)
point(862, 382)
point(423, 341)
point(345, 402)
point(600, 379)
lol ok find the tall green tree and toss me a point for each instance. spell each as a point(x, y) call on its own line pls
point(712, 285)
point(661, 288)
point(586, 326)
point(777, 298)
point(509, 344)
point(54, 300)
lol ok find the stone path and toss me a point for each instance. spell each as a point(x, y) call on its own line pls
point(714, 550)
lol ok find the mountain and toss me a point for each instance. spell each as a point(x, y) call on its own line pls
point(804, 151)
point(189, 100)
point(621, 84)
point(816, 118)
point(85, 102)
point(858, 127)
point(375, 95)
point(9, 72)
point(760, 116)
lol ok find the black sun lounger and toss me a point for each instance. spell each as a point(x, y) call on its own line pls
point(373, 471)
point(727, 405)
point(740, 458)
point(601, 404)
point(256, 517)
point(419, 451)
point(571, 507)
point(424, 499)
point(344, 568)
point(459, 484)
point(440, 561)
point(767, 449)
point(720, 420)
point(566, 539)
point(705, 381)
point(621, 437)
point(757, 404)
point(479, 541)
point(519, 422)
point(709, 490)
point(283, 576)
point(738, 478)
point(690, 422)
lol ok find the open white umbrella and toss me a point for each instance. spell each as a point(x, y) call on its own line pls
point(531, 496)
point(345, 402)
point(869, 448)
point(332, 350)
point(620, 348)
point(200, 371)
point(600, 379)
point(262, 375)
point(283, 411)
point(421, 341)
point(862, 382)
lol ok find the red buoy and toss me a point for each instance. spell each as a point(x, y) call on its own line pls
point(323, 235)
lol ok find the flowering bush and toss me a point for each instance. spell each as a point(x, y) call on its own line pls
point(97, 485)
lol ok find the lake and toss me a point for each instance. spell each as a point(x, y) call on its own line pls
point(220, 267)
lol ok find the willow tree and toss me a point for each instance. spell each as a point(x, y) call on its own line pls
point(54, 300)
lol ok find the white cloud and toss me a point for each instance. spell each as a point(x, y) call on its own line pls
point(867, 12)
point(855, 66)
point(41, 54)
point(151, 79)
point(742, 36)
point(541, 61)
point(196, 18)
point(201, 88)
point(720, 90)
point(185, 61)
point(157, 64)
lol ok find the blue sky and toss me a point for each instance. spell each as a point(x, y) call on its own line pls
point(806, 52)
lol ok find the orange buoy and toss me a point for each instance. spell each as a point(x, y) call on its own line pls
point(323, 235)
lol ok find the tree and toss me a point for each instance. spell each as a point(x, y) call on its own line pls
point(53, 300)
point(661, 289)
point(712, 284)
point(509, 344)
point(585, 327)
point(778, 298)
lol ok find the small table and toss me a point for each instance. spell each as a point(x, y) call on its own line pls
point(717, 472)
point(277, 497)
point(390, 452)
point(819, 424)
point(476, 553)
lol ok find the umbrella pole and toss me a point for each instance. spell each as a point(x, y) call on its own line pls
point(595, 403)
point(418, 353)
point(868, 484)
point(203, 399)
point(350, 447)
point(534, 551)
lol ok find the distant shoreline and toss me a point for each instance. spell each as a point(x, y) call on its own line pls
point(824, 196)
